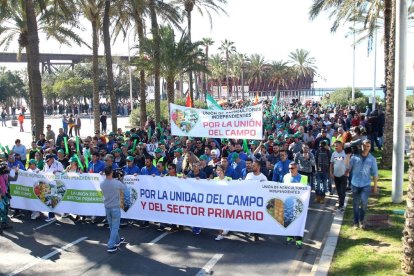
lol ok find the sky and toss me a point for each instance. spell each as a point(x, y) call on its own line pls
point(274, 28)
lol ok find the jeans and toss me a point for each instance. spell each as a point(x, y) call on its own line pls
point(373, 137)
point(360, 202)
point(113, 215)
point(340, 184)
point(321, 183)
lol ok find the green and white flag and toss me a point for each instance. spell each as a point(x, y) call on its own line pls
point(212, 104)
point(273, 107)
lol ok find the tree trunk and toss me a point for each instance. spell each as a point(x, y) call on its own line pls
point(35, 79)
point(157, 60)
point(95, 45)
point(190, 73)
point(386, 162)
point(142, 86)
point(109, 72)
point(408, 233)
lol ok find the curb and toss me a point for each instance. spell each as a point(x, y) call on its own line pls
point(322, 267)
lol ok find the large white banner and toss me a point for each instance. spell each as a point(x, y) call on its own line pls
point(243, 123)
point(247, 206)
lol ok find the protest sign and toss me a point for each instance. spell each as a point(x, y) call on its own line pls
point(246, 123)
point(247, 206)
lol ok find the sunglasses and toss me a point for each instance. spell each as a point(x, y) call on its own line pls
point(292, 168)
point(170, 168)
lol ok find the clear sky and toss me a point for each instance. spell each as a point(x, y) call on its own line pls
point(274, 28)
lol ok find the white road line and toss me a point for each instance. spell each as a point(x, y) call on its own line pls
point(157, 239)
point(44, 225)
point(209, 265)
point(51, 254)
point(10, 235)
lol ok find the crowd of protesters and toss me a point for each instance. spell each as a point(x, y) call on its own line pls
point(324, 144)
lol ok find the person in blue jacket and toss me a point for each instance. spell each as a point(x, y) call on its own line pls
point(282, 167)
point(130, 168)
point(96, 165)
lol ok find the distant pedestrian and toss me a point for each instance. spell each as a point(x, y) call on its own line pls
point(71, 123)
point(102, 119)
point(3, 118)
point(65, 124)
point(21, 120)
point(111, 189)
point(78, 125)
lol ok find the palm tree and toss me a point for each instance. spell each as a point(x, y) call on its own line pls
point(279, 75)
point(203, 7)
point(108, 59)
point(207, 42)
point(217, 70)
point(135, 11)
point(178, 58)
point(256, 65)
point(92, 10)
point(303, 63)
point(227, 47)
point(26, 19)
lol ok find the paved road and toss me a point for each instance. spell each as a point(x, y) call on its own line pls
point(34, 247)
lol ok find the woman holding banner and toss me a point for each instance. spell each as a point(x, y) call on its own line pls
point(220, 177)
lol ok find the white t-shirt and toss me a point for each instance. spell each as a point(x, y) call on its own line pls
point(338, 160)
point(252, 176)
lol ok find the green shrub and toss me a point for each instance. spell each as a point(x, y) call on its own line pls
point(134, 118)
point(410, 102)
point(343, 97)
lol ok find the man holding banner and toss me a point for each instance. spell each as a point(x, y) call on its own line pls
point(295, 177)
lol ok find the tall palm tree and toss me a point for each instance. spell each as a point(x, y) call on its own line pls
point(303, 63)
point(178, 57)
point(256, 65)
point(108, 60)
point(279, 75)
point(217, 70)
point(227, 47)
point(207, 42)
point(203, 7)
point(26, 19)
point(92, 10)
point(136, 11)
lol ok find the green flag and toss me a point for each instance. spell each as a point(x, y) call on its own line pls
point(65, 139)
point(273, 107)
point(212, 104)
point(77, 143)
point(245, 146)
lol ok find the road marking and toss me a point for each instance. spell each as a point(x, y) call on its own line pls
point(45, 257)
point(157, 239)
point(209, 265)
point(10, 235)
point(44, 225)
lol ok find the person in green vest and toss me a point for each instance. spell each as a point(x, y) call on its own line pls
point(294, 177)
point(158, 157)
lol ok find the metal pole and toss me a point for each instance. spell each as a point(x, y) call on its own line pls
point(375, 73)
point(242, 82)
point(353, 58)
point(130, 75)
point(399, 101)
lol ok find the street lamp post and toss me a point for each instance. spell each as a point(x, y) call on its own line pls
point(130, 74)
point(242, 80)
